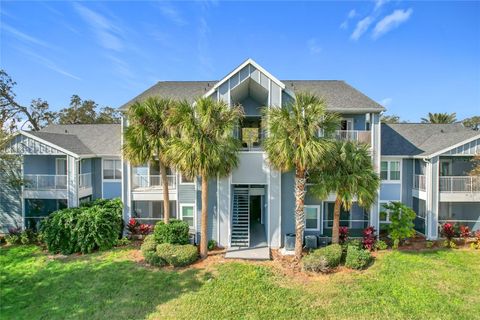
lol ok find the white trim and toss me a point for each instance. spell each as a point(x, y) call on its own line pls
point(348, 120)
point(388, 211)
point(56, 166)
point(186, 183)
point(389, 180)
point(319, 217)
point(192, 205)
point(240, 67)
point(31, 136)
point(114, 168)
point(453, 147)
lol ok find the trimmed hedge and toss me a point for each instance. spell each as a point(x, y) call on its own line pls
point(95, 225)
point(323, 259)
point(357, 258)
point(174, 232)
point(177, 255)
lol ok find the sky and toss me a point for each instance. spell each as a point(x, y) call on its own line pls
point(412, 57)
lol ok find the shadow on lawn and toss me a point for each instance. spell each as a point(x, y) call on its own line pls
point(92, 287)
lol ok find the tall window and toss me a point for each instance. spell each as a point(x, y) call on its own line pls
point(312, 218)
point(112, 169)
point(187, 212)
point(390, 170)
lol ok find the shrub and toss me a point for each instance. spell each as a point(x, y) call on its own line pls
point(357, 258)
point(95, 225)
point(149, 244)
point(402, 222)
point(381, 245)
point(152, 258)
point(28, 236)
point(343, 234)
point(175, 232)
point(464, 232)
point(14, 235)
point(369, 238)
point(132, 226)
point(448, 231)
point(122, 242)
point(323, 259)
point(145, 229)
point(354, 242)
point(211, 244)
point(177, 255)
point(476, 244)
point(429, 244)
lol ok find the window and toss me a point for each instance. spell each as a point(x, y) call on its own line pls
point(112, 169)
point(384, 214)
point(312, 218)
point(390, 170)
point(60, 166)
point(187, 214)
point(185, 180)
point(328, 216)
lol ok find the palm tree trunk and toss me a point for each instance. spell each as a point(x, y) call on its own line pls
point(336, 221)
point(300, 182)
point(204, 219)
point(166, 198)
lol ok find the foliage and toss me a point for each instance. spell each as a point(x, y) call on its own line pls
point(390, 118)
point(122, 242)
point(448, 230)
point(175, 232)
point(323, 259)
point(369, 238)
point(85, 112)
point(381, 245)
point(132, 226)
point(440, 118)
point(145, 229)
point(476, 165)
point(429, 244)
point(354, 242)
point(472, 122)
point(212, 244)
point(14, 235)
point(28, 236)
point(357, 258)
point(402, 222)
point(177, 255)
point(84, 229)
point(464, 231)
point(476, 244)
point(348, 172)
point(343, 234)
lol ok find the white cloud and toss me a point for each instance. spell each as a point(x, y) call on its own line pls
point(313, 46)
point(391, 21)
point(23, 36)
point(386, 102)
point(107, 33)
point(203, 46)
point(361, 28)
point(351, 14)
point(172, 14)
point(379, 3)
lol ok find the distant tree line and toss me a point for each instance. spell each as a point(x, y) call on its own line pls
point(37, 115)
point(472, 122)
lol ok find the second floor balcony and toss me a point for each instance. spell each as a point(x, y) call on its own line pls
point(362, 136)
point(48, 182)
point(143, 181)
point(465, 184)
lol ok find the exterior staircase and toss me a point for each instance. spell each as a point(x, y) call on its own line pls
point(240, 236)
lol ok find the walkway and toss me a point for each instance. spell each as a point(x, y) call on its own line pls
point(258, 249)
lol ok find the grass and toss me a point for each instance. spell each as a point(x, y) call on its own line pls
point(441, 284)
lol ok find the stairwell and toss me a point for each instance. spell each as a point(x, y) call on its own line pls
point(240, 236)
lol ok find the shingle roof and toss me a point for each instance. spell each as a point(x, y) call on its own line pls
point(422, 139)
point(339, 96)
point(84, 139)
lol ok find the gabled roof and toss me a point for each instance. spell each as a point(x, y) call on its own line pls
point(84, 139)
point(339, 96)
point(423, 139)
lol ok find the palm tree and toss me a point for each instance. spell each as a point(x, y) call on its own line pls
point(348, 171)
point(146, 137)
point(440, 118)
point(294, 142)
point(204, 146)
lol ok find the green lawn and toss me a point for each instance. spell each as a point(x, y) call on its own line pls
point(111, 285)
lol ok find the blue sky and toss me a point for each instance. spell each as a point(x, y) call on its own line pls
point(414, 57)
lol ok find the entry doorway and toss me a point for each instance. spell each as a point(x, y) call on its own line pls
point(258, 236)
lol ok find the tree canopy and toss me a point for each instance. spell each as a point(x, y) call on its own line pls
point(440, 118)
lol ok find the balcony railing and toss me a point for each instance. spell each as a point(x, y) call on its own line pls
point(154, 182)
point(460, 184)
point(85, 180)
point(419, 182)
point(362, 136)
point(45, 182)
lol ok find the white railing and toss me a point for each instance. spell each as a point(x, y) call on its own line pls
point(45, 182)
point(85, 180)
point(146, 181)
point(362, 136)
point(419, 182)
point(460, 184)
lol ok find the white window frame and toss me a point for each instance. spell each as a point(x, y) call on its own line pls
point(186, 183)
point(182, 205)
point(114, 167)
point(389, 161)
point(348, 120)
point(388, 213)
point(56, 166)
point(319, 217)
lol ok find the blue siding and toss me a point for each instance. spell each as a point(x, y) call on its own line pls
point(359, 120)
point(87, 165)
point(10, 206)
point(112, 190)
point(39, 164)
point(407, 181)
point(97, 178)
point(390, 191)
point(288, 204)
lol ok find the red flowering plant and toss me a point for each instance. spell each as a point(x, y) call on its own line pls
point(133, 226)
point(448, 231)
point(343, 234)
point(369, 238)
point(145, 229)
point(464, 232)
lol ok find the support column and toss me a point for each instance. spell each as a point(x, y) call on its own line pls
point(274, 208)
point(376, 159)
point(72, 182)
point(431, 181)
point(223, 211)
point(126, 180)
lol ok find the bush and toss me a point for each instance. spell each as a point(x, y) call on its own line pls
point(449, 232)
point(95, 225)
point(211, 244)
point(381, 245)
point(323, 259)
point(122, 242)
point(149, 244)
point(357, 258)
point(177, 255)
point(28, 237)
point(402, 222)
point(476, 244)
point(343, 234)
point(152, 258)
point(14, 235)
point(369, 238)
point(175, 232)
